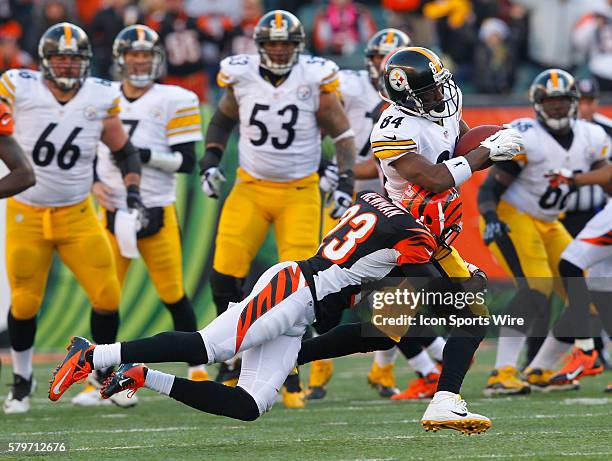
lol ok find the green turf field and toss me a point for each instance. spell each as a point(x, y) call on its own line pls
point(351, 423)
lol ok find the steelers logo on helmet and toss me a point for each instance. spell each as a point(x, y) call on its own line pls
point(397, 79)
point(429, 90)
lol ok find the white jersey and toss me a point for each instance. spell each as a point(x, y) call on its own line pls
point(530, 192)
point(363, 106)
point(164, 116)
point(59, 139)
point(397, 134)
point(279, 136)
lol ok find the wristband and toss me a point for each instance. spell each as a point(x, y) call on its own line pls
point(459, 169)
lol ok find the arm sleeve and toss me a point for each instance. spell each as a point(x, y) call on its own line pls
point(187, 150)
point(417, 248)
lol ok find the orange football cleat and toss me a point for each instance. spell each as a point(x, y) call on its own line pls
point(73, 369)
point(423, 387)
point(578, 365)
point(128, 376)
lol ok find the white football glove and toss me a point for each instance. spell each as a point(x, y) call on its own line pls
point(475, 271)
point(328, 177)
point(212, 179)
point(504, 144)
point(342, 202)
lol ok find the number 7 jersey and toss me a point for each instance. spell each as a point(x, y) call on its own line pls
point(279, 136)
point(59, 139)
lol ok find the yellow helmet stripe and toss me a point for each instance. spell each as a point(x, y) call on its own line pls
point(278, 19)
point(68, 33)
point(141, 33)
point(554, 77)
point(425, 52)
point(389, 36)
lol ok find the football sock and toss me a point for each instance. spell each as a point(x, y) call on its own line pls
point(105, 355)
point(509, 347)
point(436, 348)
point(183, 317)
point(169, 346)
point(384, 358)
point(22, 362)
point(422, 363)
point(215, 398)
point(457, 358)
point(410, 347)
point(104, 327)
point(343, 340)
point(586, 345)
point(158, 381)
point(579, 318)
point(21, 332)
point(225, 289)
point(550, 352)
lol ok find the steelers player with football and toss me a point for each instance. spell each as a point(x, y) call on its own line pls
point(60, 116)
point(282, 100)
point(163, 122)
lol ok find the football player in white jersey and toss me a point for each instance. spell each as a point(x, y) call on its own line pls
point(282, 101)
point(591, 250)
point(163, 121)
point(519, 205)
point(60, 116)
point(415, 138)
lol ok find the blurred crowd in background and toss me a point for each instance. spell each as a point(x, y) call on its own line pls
point(492, 46)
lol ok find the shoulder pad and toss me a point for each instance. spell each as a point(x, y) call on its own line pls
point(233, 67)
point(322, 72)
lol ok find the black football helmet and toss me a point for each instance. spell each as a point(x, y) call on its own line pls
point(138, 38)
point(381, 44)
point(417, 83)
point(279, 26)
point(64, 39)
point(554, 83)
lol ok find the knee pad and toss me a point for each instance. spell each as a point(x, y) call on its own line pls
point(170, 293)
point(23, 262)
point(232, 256)
point(24, 305)
point(108, 296)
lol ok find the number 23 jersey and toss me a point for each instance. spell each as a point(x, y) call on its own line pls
point(279, 136)
point(530, 192)
point(60, 139)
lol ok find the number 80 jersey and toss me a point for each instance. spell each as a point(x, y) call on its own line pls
point(279, 136)
point(59, 139)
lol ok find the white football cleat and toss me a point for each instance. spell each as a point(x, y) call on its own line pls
point(89, 397)
point(18, 398)
point(122, 400)
point(449, 411)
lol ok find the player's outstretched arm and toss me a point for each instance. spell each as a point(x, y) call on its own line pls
point(21, 174)
point(219, 129)
point(367, 169)
point(601, 174)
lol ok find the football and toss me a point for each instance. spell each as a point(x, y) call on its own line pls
point(472, 139)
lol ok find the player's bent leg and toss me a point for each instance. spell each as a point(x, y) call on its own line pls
point(280, 298)
point(381, 376)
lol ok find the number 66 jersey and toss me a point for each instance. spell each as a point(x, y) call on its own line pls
point(279, 136)
point(530, 192)
point(61, 140)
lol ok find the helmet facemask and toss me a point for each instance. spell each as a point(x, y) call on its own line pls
point(130, 71)
point(556, 123)
point(63, 74)
point(267, 57)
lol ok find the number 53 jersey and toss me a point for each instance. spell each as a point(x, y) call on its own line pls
point(279, 136)
point(60, 139)
point(530, 192)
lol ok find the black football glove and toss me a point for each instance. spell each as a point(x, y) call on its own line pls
point(343, 195)
point(134, 202)
point(494, 228)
